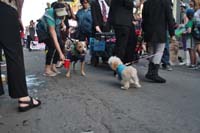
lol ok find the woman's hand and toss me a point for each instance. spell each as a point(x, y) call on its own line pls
point(62, 57)
point(98, 29)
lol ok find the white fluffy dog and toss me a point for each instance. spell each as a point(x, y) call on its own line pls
point(127, 74)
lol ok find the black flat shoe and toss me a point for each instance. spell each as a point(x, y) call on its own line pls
point(30, 105)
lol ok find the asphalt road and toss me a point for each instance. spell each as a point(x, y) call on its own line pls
point(96, 104)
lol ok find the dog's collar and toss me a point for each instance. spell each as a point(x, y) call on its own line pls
point(74, 51)
point(120, 69)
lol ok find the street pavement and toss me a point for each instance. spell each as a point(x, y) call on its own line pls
point(96, 104)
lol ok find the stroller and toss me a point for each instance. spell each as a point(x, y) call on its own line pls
point(101, 46)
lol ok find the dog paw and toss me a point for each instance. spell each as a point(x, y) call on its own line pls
point(138, 86)
point(124, 88)
point(67, 75)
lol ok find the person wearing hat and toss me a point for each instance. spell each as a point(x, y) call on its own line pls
point(64, 33)
point(54, 18)
point(190, 42)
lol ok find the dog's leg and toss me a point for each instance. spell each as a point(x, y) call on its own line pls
point(68, 74)
point(136, 79)
point(125, 84)
point(83, 68)
point(132, 81)
point(74, 65)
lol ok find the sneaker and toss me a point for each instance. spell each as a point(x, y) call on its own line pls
point(3, 64)
point(192, 67)
point(182, 63)
point(169, 68)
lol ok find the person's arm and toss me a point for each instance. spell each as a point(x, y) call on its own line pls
point(73, 16)
point(185, 19)
point(94, 16)
point(19, 10)
point(19, 7)
point(56, 43)
point(63, 26)
point(190, 25)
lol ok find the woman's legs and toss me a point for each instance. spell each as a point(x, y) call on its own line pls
point(11, 43)
point(56, 56)
point(156, 50)
point(52, 57)
point(192, 57)
point(55, 61)
point(49, 58)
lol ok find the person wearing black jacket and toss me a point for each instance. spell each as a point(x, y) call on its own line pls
point(157, 19)
point(100, 23)
point(121, 18)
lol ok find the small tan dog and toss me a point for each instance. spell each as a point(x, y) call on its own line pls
point(76, 51)
point(127, 74)
point(174, 47)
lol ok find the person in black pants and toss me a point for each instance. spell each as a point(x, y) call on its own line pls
point(11, 44)
point(54, 20)
point(121, 18)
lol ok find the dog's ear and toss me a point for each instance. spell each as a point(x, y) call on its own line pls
point(75, 42)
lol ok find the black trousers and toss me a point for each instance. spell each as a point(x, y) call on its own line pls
point(11, 44)
point(130, 54)
point(125, 43)
point(52, 56)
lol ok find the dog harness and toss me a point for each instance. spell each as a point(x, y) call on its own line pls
point(120, 69)
point(74, 55)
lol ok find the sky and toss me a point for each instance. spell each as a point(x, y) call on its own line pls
point(33, 10)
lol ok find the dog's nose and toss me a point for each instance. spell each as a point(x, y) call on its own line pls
point(83, 52)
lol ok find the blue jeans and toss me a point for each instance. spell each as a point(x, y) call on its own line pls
point(165, 58)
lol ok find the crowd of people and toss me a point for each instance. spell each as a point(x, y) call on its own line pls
point(189, 14)
point(156, 22)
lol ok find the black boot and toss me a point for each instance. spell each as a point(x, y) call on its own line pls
point(158, 79)
point(152, 73)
